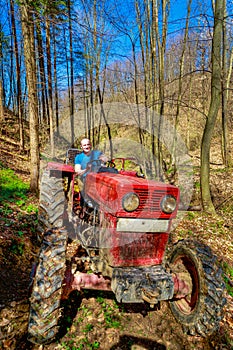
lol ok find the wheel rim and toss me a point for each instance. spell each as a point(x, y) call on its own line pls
point(187, 304)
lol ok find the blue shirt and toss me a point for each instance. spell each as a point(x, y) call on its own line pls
point(83, 159)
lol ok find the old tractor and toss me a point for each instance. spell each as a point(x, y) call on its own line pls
point(122, 222)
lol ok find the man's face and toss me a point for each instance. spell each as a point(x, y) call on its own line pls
point(86, 146)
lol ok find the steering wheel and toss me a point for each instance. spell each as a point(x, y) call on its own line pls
point(111, 164)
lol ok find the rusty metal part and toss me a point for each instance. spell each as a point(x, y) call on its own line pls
point(82, 280)
point(183, 284)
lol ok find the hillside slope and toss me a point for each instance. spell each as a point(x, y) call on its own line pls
point(97, 321)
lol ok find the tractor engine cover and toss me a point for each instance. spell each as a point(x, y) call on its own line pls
point(136, 285)
point(109, 190)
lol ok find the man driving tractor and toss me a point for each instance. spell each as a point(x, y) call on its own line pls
point(88, 155)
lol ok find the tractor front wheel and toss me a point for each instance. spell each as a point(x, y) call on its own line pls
point(199, 312)
point(47, 288)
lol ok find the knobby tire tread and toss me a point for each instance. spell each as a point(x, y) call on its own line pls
point(46, 294)
point(206, 318)
point(52, 202)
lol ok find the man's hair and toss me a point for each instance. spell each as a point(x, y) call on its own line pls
point(85, 140)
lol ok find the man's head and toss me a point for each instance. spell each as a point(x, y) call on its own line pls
point(86, 146)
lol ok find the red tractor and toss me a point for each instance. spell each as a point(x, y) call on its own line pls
point(122, 225)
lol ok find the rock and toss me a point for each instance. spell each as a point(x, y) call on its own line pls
point(4, 322)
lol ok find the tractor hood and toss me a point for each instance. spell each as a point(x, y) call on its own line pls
point(112, 191)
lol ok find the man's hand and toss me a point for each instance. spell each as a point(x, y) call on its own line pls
point(78, 170)
point(103, 158)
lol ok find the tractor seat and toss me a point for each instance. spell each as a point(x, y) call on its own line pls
point(71, 154)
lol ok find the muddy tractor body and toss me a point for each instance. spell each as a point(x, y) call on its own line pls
point(122, 222)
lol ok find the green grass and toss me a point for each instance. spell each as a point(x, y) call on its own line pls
point(16, 247)
point(111, 319)
point(228, 278)
point(17, 213)
point(13, 191)
point(11, 187)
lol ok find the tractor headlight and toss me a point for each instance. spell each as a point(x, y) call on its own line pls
point(130, 201)
point(168, 204)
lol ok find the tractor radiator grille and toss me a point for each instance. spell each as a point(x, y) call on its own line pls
point(149, 201)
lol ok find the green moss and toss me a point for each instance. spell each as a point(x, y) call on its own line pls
point(11, 187)
point(228, 277)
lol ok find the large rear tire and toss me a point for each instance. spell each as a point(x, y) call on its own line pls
point(46, 294)
point(52, 202)
point(201, 311)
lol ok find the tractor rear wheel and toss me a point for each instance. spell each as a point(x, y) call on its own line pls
point(46, 293)
point(52, 202)
point(200, 312)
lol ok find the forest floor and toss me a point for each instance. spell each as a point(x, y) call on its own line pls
point(95, 320)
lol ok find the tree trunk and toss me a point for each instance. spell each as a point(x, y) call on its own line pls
point(1, 103)
point(18, 76)
point(50, 87)
point(71, 94)
point(106, 123)
point(55, 82)
point(161, 39)
point(181, 72)
point(30, 63)
point(43, 87)
point(226, 151)
point(213, 109)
